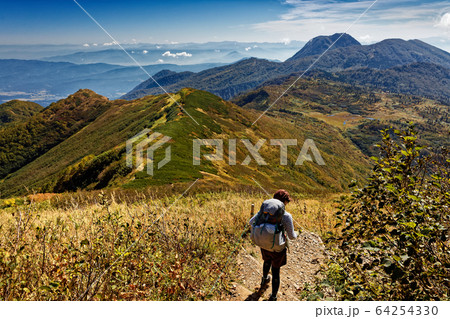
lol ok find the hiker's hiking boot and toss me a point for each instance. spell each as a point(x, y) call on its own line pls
point(265, 282)
point(272, 298)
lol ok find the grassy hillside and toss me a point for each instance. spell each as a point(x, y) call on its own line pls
point(358, 113)
point(22, 143)
point(17, 111)
point(420, 79)
point(94, 157)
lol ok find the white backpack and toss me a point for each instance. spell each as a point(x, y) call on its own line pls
point(267, 231)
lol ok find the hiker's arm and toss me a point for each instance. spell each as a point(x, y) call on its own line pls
point(250, 222)
point(288, 224)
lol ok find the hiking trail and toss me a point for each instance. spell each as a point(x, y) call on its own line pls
point(306, 254)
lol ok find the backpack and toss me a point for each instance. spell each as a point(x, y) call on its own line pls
point(267, 231)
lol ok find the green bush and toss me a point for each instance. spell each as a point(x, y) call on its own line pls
point(395, 231)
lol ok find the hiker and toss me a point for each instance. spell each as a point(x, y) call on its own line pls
point(269, 229)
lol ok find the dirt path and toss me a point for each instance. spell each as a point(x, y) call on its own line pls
point(303, 263)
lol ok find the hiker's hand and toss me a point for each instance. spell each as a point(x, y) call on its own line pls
point(297, 233)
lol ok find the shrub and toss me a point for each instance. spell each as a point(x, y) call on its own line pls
point(395, 235)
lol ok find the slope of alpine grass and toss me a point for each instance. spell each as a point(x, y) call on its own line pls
point(17, 111)
point(94, 157)
point(132, 245)
point(25, 141)
point(357, 112)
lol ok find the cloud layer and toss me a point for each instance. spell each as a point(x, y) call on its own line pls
point(406, 19)
point(176, 55)
point(445, 21)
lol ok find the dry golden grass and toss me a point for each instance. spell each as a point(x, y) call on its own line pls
point(165, 248)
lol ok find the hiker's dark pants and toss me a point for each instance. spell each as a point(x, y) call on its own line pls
point(275, 260)
point(275, 276)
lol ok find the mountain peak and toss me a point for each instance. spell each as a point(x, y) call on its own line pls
point(86, 93)
point(319, 44)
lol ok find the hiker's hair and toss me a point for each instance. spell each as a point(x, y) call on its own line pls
point(283, 196)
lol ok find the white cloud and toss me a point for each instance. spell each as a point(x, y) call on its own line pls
point(248, 49)
point(176, 55)
point(86, 45)
point(286, 41)
point(158, 47)
point(167, 53)
point(305, 19)
point(160, 61)
point(106, 44)
point(145, 51)
point(445, 21)
point(94, 44)
point(365, 38)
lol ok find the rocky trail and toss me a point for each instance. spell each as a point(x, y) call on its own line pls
point(306, 254)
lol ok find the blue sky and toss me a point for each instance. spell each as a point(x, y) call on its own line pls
point(62, 21)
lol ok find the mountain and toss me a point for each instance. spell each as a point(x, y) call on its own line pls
point(25, 141)
point(359, 113)
point(382, 55)
point(164, 78)
point(320, 44)
point(224, 81)
point(231, 80)
point(88, 152)
point(47, 82)
point(80, 142)
point(17, 111)
point(422, 79)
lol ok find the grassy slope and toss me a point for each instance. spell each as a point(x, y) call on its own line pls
point(357, 113)
point(24, 142)
point(68, 161)
point(16, 111)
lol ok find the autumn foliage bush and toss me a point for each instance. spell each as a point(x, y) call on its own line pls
point(394, 242)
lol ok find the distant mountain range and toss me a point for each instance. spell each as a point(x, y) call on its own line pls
point(402, 58)
point(185, 53)
point(106, 69)
point(393, 65)
point(47, 82)
point(147, 53)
